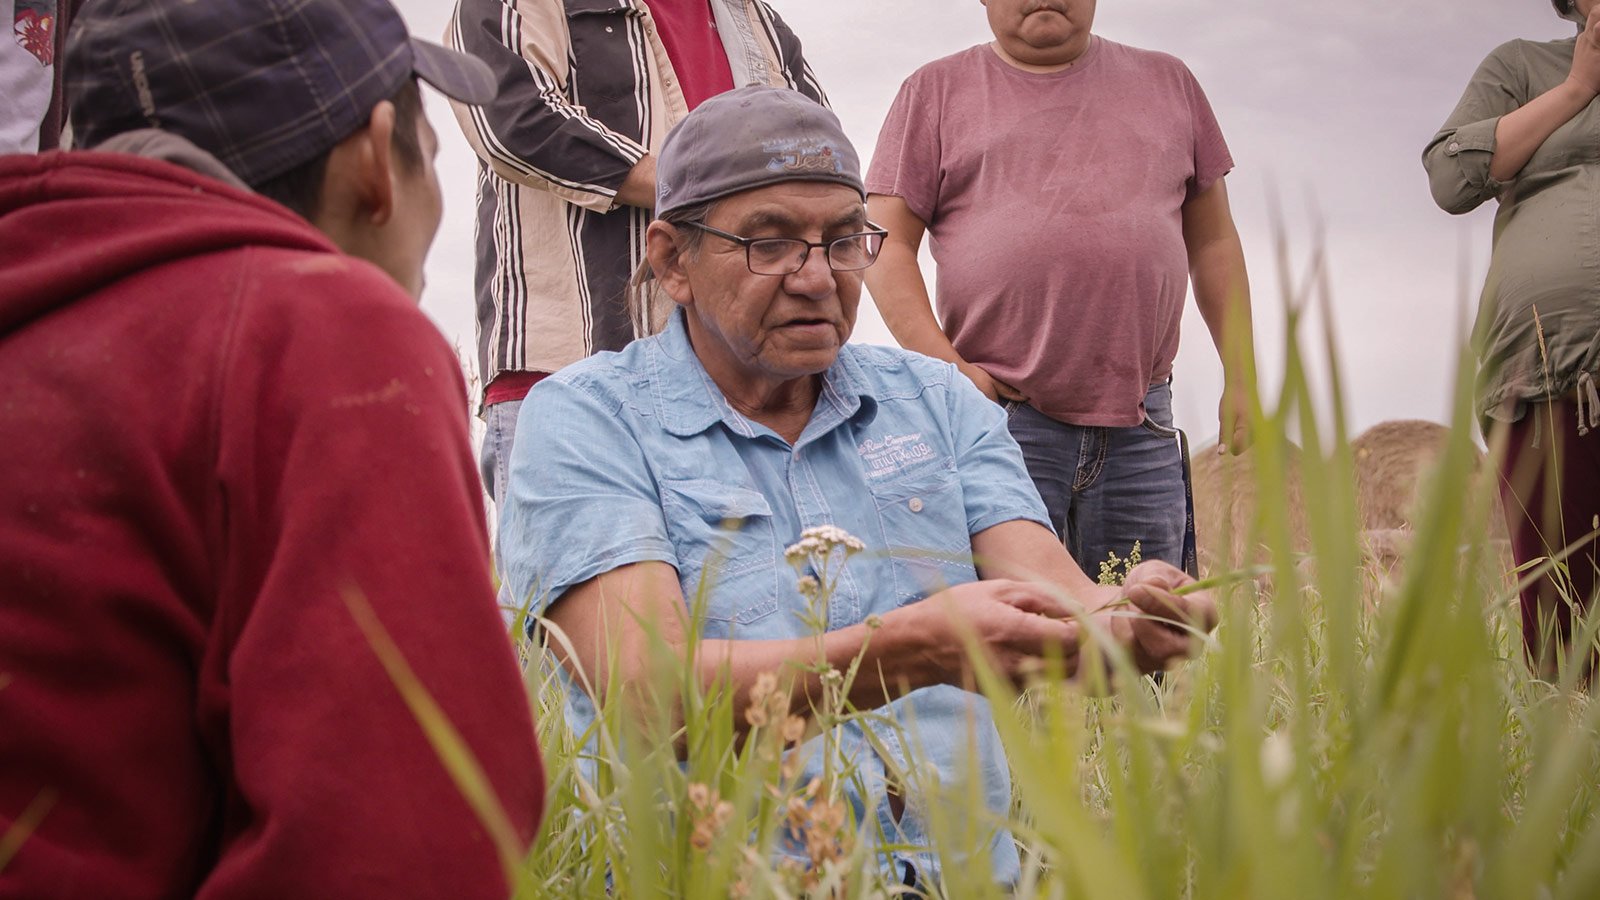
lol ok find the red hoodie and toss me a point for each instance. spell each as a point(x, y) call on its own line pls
point(212, 426)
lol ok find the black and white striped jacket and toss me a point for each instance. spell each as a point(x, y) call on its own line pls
point(585, 90)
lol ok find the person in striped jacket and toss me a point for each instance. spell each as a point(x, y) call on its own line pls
point(588, 90)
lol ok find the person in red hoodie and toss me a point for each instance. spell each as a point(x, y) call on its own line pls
point(226, 430)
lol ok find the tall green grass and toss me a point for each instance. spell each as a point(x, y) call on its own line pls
point(1340, 736)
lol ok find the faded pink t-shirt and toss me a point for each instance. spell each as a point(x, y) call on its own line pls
point(1054, 212)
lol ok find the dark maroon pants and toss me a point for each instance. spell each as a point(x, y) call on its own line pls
point(1550, 492)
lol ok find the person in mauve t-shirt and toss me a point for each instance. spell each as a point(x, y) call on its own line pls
point(1069, 186)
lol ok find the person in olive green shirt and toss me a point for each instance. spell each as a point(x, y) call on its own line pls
point(1527, 133)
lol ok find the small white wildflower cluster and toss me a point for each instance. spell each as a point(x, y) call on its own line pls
point(810, 588)
point(818, 558)
point(821, 542)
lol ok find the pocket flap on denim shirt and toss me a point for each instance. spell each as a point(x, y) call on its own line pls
point(715, 500)
point(726, 544)
point(917, 484)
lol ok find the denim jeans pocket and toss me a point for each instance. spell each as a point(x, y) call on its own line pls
point(726, 546)
point(1156, 428)
point(924, 523)
point(1158, 411)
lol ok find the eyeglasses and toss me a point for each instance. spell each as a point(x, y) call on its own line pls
point(786, 256)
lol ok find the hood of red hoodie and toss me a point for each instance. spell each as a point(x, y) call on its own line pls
point(73, 223)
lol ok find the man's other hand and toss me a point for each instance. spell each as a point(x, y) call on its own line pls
point(992, 387)
point(1159, 636)
point(1016, 623)
point(1233, 422)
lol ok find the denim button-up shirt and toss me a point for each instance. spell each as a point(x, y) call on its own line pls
point(636, 456)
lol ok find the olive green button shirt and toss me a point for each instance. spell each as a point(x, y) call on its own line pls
point(1544, 275)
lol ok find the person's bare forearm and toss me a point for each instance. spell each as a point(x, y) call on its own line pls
point(897, 285)
point(1522, 132)
point(893, 663)
point(639, 188)
point(901, 294)
point(1222, 293)
point(1028, 551)
point(1221, 282)
point(605, 645)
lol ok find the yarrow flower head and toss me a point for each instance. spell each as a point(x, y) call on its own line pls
point(820, 541)
point(809, 586)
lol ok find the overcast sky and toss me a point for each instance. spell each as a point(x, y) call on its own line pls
point(1325, 106)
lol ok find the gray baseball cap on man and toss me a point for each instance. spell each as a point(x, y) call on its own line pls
point(262, 85)
point(750, 138)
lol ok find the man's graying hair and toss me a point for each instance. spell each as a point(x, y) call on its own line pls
point(648, 305)
point(689, 238)
point(1563, 7)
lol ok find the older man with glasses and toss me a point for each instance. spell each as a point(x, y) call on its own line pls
point(683, 467)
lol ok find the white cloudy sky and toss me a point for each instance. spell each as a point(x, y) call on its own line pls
point(1326, 107)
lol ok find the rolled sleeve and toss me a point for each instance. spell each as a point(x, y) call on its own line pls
point(1458, 163)
point(1473, 136)
point(994, 480)
point(581, 500)
point(1459, 156)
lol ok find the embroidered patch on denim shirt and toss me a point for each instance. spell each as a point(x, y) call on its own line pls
point(895, 453)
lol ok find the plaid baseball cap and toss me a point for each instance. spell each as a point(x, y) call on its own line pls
point(750, 138)
point(263, 85)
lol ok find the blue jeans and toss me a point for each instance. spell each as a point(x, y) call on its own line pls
point(494, 466)
point(494, 461)
point(1106, 488)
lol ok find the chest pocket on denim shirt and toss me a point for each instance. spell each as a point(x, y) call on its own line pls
point(726, 545)
point(925, 530)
